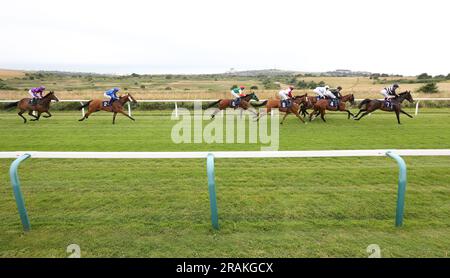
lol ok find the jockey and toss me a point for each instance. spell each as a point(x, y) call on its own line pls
point(286, 95)
point(36, 93)
point(337, 92)
point(237, 94)
point(389, 93)
point(334, 95)
point(322, 92)
point(112, 95)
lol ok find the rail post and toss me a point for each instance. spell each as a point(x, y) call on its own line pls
point(212, 191)
point(18, 193)
point(129, 109)
point(417, 107)
point(176, 109)
point(401, 187)
point(82, 109)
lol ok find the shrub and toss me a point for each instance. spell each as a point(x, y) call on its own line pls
point(424, 76)
point(233, 87)
point(429, 88)
point(142, 86)
point(135, 75)
point(168, 76)
point(168, 89)
point(254, 87)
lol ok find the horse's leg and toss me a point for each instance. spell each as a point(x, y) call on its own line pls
point(38, 116)
point(322, 114)
point(312, 114)
point(349, 114)
point(401, 111)
point(215, 112)
point(264, 113)
point(125, 114)
point(298, 115)
point(397, 113)
point(48, 113)
point(285, 115)
point(114, 117)
point(254, 111)
point(30, 112)
point(362, 115)
point(361, 110)
point(20, 114)
point(85, 116)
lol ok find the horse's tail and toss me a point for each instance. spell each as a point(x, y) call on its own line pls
point(260, 104)
point(364, 102)
point(212, 104)
point(11, 105)
point(84, 105)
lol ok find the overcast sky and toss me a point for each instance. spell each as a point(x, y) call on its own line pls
point(201, 36)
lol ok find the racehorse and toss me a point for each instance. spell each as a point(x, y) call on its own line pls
point(324, 104)
point(116, 107)
point(275, 103)
point(42, 106)
point(308, 104)
point(375, 104)
point(225, 103)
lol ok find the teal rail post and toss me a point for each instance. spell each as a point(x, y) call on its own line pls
point(18, 193)
point(212, 190)
point(401, 187)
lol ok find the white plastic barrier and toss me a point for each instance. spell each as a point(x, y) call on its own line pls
point(395, 154)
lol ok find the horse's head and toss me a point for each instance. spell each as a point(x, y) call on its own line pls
point(352, 99)
point(51, 95)
point(252, 96)
point(407, 95)
point(301, 99)
point(129, 97)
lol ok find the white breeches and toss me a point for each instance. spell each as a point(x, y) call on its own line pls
point(319, 93)
point(329, 94)
point(283, 96)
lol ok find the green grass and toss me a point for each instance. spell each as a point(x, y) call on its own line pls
point(321, 207)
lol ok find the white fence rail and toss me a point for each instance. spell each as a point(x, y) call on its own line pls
point(225, 154)
point(176, 101)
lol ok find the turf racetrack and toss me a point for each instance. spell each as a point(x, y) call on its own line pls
point(318, 207)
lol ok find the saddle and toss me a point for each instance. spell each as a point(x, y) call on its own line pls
point(107, 103)
point(285, 103)
point(319, 98)
point(235, 103)
point(33, 101)
point(388, 104)
point(334, 102)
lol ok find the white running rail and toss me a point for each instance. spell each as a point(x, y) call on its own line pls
point(227, 154)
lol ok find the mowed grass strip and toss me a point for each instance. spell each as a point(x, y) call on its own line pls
point(317, 207)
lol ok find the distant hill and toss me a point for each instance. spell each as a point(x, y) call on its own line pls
point(6, 73)
point(279, 72)
point(264, 72)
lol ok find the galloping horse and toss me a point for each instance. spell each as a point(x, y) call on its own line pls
point(42, 106)
point(225, 103)
point(275, 103)
point(374, 104)
point(324, 104)
point(308, 104)
point(116, 107)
